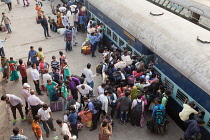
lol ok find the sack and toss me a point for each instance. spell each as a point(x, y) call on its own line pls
point(103, 136)
point(56, 106)
point(3, 28)
point(142, 121)
point(159, 118)
point(97, 104)
point(79, 125)
point(43, 88)
point(68, 35)
point(85, 117)
point(29, 117)
point(117, 75)
point(131, 80)
point(120, 65)
point(70, 102)
point(86, 50)
point(137, 110)
point(89, 124)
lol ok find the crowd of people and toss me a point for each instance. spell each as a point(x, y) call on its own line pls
point(130, 85)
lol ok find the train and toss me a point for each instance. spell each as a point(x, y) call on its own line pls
point(169, 41)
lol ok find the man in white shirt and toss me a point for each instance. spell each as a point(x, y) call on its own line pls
point(35, 76)
point(84, 91)
point(15, 103)
point(104, 100)
point(1, 47)
point(46, 118)
point(26, 93)
point(89, 77)
point(46, 77)
point(101, 88)
point(34, 103)
point(187, 110)
point(74, 33)
point(65, 129)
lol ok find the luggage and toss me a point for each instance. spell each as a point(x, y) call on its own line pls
point(101, 49)
point(120, 65)
point(56, 106)
point(85, 117)
point(142, 124)
point(97, 104)
point(131, 80)
point(89, 124)
point(86, 50)
point(54, 97)
point(102, 136)
point(137, 110)
point(99, 68)
point(70, 102)
point(43, 88)
point(3, 28)
point(79, 125)
point(29, 117)
point(117, 75)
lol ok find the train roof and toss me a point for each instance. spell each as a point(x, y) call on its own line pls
point(172, 38)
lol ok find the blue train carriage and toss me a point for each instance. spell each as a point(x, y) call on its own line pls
point(168, 40)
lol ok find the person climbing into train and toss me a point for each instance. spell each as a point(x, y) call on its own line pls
point(187, 110)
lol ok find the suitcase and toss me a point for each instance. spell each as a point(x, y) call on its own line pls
point(3, 28)
point(43, 88)
point(86, 50)
point(56, 106)
point(89, 124)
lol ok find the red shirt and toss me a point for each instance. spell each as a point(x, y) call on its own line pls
point(22, 69)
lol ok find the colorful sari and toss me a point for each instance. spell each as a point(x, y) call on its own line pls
point(13, 68)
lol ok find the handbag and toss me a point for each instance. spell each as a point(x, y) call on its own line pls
point(142, 120)
point(103, 136)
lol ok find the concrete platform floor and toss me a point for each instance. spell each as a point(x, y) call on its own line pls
point(27, 33)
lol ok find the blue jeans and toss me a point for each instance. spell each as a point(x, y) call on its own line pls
point(64, 105)
point(8, 28)
point(91, 84)
point(68, 46)
point(123, 116)
point(46, 33)
point(2, 52)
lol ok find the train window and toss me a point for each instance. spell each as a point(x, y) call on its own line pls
point(137, 54)
point(108, 32)
point(115, 37)
point(208, 124)
point(128, 48)
point(180, 96)
point(121, 43)
point(169, 85)
point(89, 14)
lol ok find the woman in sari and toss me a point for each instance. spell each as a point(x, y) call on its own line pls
point(59, 19)
point(51, 90)
point(5, 66)
point(13, 68)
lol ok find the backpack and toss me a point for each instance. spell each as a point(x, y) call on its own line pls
point(68, 35)
point(99, 68)
point(131, 80)
point(97, 104)
point(117, 75)
point(70, 102)
point(137, 110)
point(159, 119)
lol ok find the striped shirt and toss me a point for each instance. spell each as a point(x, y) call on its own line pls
point(55, 64)
point(18, 137)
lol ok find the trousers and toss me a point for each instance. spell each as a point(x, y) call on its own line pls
point(48, 124)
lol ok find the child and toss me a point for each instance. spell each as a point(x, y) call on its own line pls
point(50, 21)
point(40, 53)
point(54, 26)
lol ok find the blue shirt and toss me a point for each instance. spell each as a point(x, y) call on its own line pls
point(73, 118)
point(91, 107)
point(81, 21)
point(31, 55)
point(92, 39)
point(155, 109)
point(100, 36)
point(193, 129)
